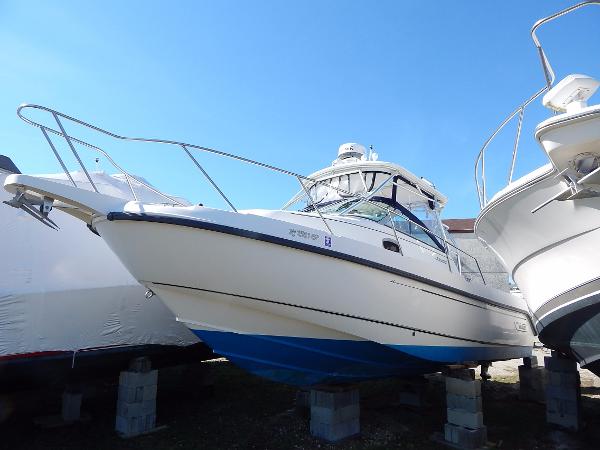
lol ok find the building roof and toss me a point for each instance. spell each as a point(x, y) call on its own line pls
point(460, 225)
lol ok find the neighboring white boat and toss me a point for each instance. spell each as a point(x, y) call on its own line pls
point(545, 226)
point(68, 308)
point(360, 282)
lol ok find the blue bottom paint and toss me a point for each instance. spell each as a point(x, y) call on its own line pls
point(310, 361)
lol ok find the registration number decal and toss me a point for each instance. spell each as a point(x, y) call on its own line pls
point(303, 234)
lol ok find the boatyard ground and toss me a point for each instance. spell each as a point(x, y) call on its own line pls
point(234, 410)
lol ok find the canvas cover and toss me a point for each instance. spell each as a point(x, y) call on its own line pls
point(66, 291)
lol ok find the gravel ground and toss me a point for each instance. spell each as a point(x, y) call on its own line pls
point(240, 411)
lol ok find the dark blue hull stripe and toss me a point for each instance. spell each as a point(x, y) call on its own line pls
point(191, 223)
point(310, 361)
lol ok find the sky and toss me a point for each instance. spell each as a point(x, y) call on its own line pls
point(286, 82)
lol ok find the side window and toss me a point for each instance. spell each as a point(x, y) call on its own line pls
point(403, 225)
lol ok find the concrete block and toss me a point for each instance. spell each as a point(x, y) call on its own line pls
point(562, 407)
point(563, 400)
point(141, 364)
point(570, 421)
point(464, 437)
point(127, 409)
point(134, 394)
point(468, 404)
point(563, 393)
point(132, 426)
point(335, 432)
point(532, 383)
point(333, 398)
point(467, 388)
point(472, 420)
point(128, 378)
point(564, 379)
point(150, 422)
point(136, 404)
point(71, 406)
point(559, 364)
point(461, 374)
point(334, 413)
point(321, 414)
point(530, 362)
point(131, 394)
point(149, 393)
point(532, 376)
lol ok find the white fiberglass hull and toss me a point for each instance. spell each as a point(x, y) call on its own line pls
point(307, 312)
point(551, 255)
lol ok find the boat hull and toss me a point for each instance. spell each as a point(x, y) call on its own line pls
point(570, 323)
point(551, 256)
point(304, 315)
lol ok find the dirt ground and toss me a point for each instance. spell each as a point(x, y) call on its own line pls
point(240, 411)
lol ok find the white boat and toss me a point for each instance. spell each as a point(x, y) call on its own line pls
point(545, 226)
point(69, 310)
point(360, 282)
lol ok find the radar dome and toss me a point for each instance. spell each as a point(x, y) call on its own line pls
point(351, 149)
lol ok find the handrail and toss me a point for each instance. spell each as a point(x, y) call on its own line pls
point(303, 180)
point(549, 76)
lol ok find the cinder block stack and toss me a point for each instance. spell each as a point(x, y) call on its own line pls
point(563, 392)
point(532, 380)
point(334, 413)
point(464, 428)
point(136, 405)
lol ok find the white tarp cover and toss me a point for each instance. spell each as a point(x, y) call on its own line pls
point(66, 291)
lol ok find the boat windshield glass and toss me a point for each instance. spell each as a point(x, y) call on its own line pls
point(422, 224)
point(415, 210)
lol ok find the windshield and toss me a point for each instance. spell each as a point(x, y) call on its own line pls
point(402, 219)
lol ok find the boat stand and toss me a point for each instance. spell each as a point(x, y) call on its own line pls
point(563, 392)
point(334, 412)
point(532, 380)
point(464, 428)
point(70, 411)
point(136, 404)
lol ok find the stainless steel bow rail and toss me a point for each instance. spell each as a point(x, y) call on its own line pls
point(306, 183)
point(549, 76)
